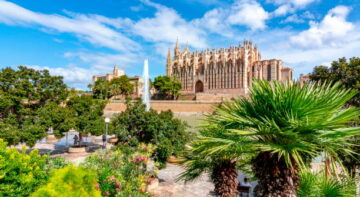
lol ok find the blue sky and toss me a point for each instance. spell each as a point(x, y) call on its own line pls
point(78, 39)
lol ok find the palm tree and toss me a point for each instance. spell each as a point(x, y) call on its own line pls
point(221, 163)
point(283, 125)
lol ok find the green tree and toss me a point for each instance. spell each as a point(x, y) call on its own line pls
point(101, 89)
point(282, 123)
point(121, 86)
point(348, 73)
point(136, 125)
point(23, 92)
point(221, 164)
point(167, 87)
point(88, 114)
point(58, 117)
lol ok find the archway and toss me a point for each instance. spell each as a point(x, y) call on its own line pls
point(199, 86)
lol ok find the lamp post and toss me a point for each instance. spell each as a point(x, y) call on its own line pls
point(107, 120)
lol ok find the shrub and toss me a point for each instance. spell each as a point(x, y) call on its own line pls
point(56, 163)
point(161, 129)
point(70, 181)
point(122, 172)
point(20, 173)
point(317, 185)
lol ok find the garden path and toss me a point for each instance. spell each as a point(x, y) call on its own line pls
point(168, 187)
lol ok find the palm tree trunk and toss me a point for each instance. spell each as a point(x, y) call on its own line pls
point(276, 179)
point(224, 176)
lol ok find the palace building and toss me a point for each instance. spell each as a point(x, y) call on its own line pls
point(135, 80)
point(226, 72)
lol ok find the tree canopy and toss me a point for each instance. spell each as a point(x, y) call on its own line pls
point(100, 89)
point(32, 101)
point(23, 95)
point(344, 71)
point(106, 89)
point(135, 125)
point(167, 87)
point(88, 114)
point(121, 86)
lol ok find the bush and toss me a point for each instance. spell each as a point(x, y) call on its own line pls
point(20, 173)
point(317, 185)
point(70, 181)
point(122, 172)
point(56, 163)
point(161, 129)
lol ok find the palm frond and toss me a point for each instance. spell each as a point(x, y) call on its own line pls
point(281, 118)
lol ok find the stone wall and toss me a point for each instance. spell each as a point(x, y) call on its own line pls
point(178, 107)
point(217, 97)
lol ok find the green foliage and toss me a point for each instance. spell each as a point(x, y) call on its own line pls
point(20, 173)
point(317, 185)
point(100, 89)
point(88, 114)
point(121, 86)
point(23, 93)
point(287, 122)
point(348, 73)
point(204, 155)
point(60, 118)
point(68, 182)
point(135, 125)
point(167, 87)
point(122, 172)
point(56, 163)
point(106, 89)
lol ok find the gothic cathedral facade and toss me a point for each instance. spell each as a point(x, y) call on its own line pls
point(224, 71)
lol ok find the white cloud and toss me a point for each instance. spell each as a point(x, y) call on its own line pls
point(223, 20)
point(289, 6)
point(103, 62)
point(166, 26)
point(89, 29)
point(206, 2)
point(307, 15)
point(248, 13)
point(73, 75)
point(79, 77)
point(283, 10)
point(215, 21)
point(331, 31)
point(297, 3)
point(293, 19)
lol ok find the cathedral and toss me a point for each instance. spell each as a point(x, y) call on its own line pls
point(223, 72)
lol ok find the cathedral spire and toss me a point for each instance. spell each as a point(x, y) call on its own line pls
point(187, 50)
point(177, 43)
point(177, 50)
point(169, 54)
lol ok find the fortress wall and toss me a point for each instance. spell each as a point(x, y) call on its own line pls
point(178, 107)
